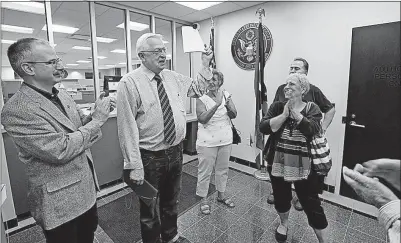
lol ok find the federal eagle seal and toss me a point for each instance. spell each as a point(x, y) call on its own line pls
point(243, 46)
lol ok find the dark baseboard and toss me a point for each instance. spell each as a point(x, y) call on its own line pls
point(11, 223)
point(243, 162)
point(190, 153)
point(111, 183)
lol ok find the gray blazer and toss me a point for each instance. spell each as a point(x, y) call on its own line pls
point(62, 181)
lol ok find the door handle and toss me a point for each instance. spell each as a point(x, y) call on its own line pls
point(354, 124)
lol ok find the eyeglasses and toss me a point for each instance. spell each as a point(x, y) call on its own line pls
point(53, 62)
point(158, 51)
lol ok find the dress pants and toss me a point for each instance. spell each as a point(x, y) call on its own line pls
point(212, 157)
point(163, 171)
point(79, 230)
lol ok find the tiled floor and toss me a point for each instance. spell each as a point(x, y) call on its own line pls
point(252, 220)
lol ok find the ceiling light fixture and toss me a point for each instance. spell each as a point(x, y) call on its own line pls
point(104, 39)
point(72, 64)
point(30, 7)
point(7, 42)
point(62, 29)
point(83, 61)
point(123, 63)
point(118, 51)
point(16, 29)
point(83, 48)
point(134, 26)
point(198, 5)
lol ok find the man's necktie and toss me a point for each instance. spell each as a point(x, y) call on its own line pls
point(169, 125)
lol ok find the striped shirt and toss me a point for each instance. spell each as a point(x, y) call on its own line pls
point(139, 114)
point(389, 217)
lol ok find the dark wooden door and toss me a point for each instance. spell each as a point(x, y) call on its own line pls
point(373, 110)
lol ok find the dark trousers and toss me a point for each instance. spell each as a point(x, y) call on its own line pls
point(307, 192)
point(79, 230)
point(163, 171)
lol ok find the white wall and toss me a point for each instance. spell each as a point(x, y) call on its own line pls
point(7, 73)
point(317, 31)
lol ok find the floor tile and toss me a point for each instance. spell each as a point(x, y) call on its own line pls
point(298, 217)
point(241, 206)
point(254, 191)
point(226, 239)
point(221, 218)
point(202, 232)
point(30, 235)
point(336, 232)
point(98, 230)
point(233, 187)
point(102, 237)
point(243, 231)
point(187, 220)
point(194, 163)
point(337, 213)
point(244, 179)
point(367, 225)
point(295, 231)
point(355, 236)
point(189, 169)
point(232, 173)
point(263, 204)
point(259, 216)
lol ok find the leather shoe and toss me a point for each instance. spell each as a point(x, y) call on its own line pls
point(280, 237)
point(297, 205)
point(181, 239)
point(270, 199)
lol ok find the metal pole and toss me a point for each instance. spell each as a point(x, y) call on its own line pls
point(262, 173)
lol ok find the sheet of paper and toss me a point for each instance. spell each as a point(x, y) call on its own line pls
point(192, 42)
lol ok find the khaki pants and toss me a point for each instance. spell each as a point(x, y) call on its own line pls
point(209, 158)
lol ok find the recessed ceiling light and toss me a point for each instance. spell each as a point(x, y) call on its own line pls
point(165, 42)
point(17, 29)
point(123, 63)
point(84, 48)
point(30, 7)
point(110, 65)
point(104, 39)
point(83, 61)
point(101, 57)
point(72, 64)
point(134, 26)
point(197, 5)
point(118, 51)
point(62, 29)
point(7, 41)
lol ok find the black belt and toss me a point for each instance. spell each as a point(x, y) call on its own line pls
point(161, 152)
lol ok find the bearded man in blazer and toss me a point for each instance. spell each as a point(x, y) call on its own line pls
point(53, 137)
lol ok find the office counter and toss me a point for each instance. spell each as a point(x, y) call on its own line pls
point(107, 156)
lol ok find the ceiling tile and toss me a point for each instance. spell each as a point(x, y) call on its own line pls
point(222, 8)
point(173, 10)
point(148, 5)
point(196, 16)
point(246, 4)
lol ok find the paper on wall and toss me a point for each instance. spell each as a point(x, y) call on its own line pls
point(192, 42)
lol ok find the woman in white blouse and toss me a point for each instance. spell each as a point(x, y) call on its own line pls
point(214, 110)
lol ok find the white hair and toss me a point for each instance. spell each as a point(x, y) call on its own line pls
point(303, 81)
point(142, 42)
